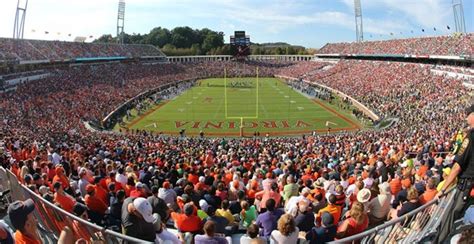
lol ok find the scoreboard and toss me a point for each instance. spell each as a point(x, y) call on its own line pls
point(240, 44)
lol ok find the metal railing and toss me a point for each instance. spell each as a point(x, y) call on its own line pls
point(52, 219)
point(419, 225)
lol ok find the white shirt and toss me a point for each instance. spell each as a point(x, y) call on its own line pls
point(56, 158)
point(122, 179)
point(277, 238)
point(82, 186)
point(167, 237)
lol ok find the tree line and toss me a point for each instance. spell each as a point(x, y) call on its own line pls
point(182, 41)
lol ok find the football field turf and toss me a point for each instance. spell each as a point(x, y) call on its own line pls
point(220, 106)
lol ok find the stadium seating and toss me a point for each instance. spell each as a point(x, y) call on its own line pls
point(28, 50)
point(455, 45)
point(42, 133)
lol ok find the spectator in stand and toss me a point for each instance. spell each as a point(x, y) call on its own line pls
point(290, 189)
point(304, 220)
point(430, 192)
point(265, 195)
point(137, 219)
point(331, 208)
point(163, 235)
point(23, 220)
point(287, 231)
point(379, 207)
point(168, 195)
point(411, 204)
point(356, 223)
point(209, 237)
point(187, 221)
point(221, 222)
point(96, 206)
point(252, 236)
point(267, 221)
point(225, 212)
point(248, 214)
point(158, 205)
point(324, 233)
point(64, 200)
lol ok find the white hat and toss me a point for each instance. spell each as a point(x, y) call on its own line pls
point(404, 164)
point(203, 205)
point(363, 195)
point(202, 179)
point(144, 208)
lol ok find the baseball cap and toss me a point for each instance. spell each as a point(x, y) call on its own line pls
point(139, 185)
point(327, 219)
point(144, 208)
point(203, 205)
point(18, 212)
point(166, 185)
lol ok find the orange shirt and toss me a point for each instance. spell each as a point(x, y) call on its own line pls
point(65, 201)
point(193, 179)
point(22, 239)
point(428, 195)
point(265, 195)
point(63, 179)
point(422, 170)
point(334, 210)
point(186, 223)
point(95, 204)
point(101, 193)
point(395, 186)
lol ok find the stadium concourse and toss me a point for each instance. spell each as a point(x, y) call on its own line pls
point(316, 188)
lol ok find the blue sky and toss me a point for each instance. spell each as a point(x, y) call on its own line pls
point(311, 23)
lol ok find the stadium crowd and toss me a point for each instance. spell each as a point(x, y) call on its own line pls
point(317, 188)
point(30, 50)
point(453, 45)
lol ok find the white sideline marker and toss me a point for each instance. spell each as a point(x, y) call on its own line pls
point(152, 124)
point(329, 122)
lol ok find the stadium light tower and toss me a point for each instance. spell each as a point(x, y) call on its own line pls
point(358, 21)
point(19, 24)
point(459, 16)
point(120, 21)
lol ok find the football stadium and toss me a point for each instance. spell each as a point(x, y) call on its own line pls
point(237, 121)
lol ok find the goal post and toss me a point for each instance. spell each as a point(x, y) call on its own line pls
point(241, 117)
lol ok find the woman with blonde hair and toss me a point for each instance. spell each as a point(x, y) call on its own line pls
point(357, 222)
point(287, 231)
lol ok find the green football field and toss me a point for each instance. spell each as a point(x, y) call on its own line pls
point(220, 107)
